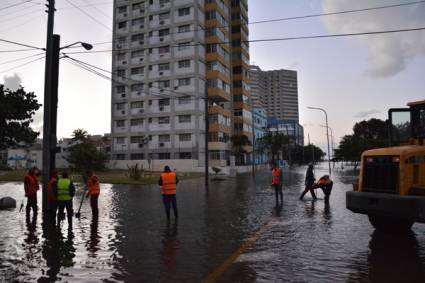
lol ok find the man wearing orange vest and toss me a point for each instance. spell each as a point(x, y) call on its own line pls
point(31, 187)
point(93, 185)
point(326, 184)
point(277, 181)
point(168, 182)
point(51, 196)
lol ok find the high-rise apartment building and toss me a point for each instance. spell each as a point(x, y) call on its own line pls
point(168, 56)
point(277, 91)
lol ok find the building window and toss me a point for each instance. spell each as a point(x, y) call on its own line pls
point(164, 155)
point(164, 138)
point(137, 156)
point(164, 102)
point(136, 122)
point(120, 140)
point(184, 28)
point(120, 156)
point(122, 25)
point(184, 12)
point(137, 87)
point(120, 73)
point(120, 89)
point(185, 155)
point(164, 120)
point(137, 53)
point(184, 64)
point(138, 37)
point(184, 82)
point(164, 16)
point(185, 118)
point(164, 49)
point(137, 71)
point(185, 137)
point(184, 100)
point(120, 123)
point(164, 67)
point(122, 9)
point(163, 84)
point(120, 106)
point(138, 6)
point(183, 46)
point(163, 32)
point(136, 104)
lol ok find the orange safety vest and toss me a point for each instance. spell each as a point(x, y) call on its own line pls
point(276, 174)
point(94, 185)
point(32, 185)
point(323, 182)
point(169, 183)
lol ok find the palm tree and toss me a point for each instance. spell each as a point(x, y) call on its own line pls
point(79, 135)
point(274, 144)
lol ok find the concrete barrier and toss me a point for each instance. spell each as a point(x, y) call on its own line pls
point(7, 203)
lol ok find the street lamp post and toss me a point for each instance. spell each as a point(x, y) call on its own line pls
point(332, 145)
point(327, 134)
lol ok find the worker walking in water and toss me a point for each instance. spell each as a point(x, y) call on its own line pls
point(93, 186)
point(277, 182)
point(65, 191)
point(326, 184)
point(51, 196)
point(168, 182)
point(31, 187)
point(309, 182)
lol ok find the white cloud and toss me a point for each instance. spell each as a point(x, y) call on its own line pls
point(388, 54)
point(12, 82)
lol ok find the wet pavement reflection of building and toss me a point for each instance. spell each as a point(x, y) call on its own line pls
point(131, 241)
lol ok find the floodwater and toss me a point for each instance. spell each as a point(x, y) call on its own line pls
point(301, 241)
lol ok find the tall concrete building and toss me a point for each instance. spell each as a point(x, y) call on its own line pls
point(168, 56)
point(277, 91)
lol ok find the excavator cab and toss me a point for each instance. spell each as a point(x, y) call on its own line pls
point(391, 188)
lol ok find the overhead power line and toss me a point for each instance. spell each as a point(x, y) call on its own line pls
point(20, 59)
point(272, 39)
point(16, 4)
point(22, 65)
point(88, 15)
point(21, 44)
point(295, 18)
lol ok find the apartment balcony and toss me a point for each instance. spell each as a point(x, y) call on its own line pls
point(155, 7)
point(159, 145)
point(138, 44)
point(120, 130)
point(218, 146)
point(159, 39)
point(159, 74)
point(183, 2)
point(159, 109)
point(138, 94)
point(137, 111)
point(178, 19)
point(184, 71)
point(217, 94)
point(219, 110)
point(156, 23)
point(185, 88)
point(185, 126)
point(184, 107)
point(138, 146)
point(121, 63)
point(216, 127)
point(139, 12)
point(120, 113)
point(119, 96)
point(184, 144)
point(138, 128)
point(137, 77)
point(120, 31)
point(137, 60)
point(162, 56)
point(121, 16)
point(159, 127)
point(138, 28)
point(184, 35)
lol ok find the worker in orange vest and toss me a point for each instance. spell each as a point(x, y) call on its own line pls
point(277, 182)
point(168, 182)
point(326, 184)
point(31, 187)
point(51, 196)
point(93, 186)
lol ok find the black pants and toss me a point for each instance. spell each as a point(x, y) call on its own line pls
point(53, 207)
point(65, 204)
point(327, 191)
point(308, 188)
point(278, 192)
point(31, 204)
point(169, 200)
point(94, 204)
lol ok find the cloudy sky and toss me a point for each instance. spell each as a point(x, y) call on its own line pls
point(353, 78)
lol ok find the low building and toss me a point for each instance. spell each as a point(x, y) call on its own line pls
point(289, 128)
point(260, 127)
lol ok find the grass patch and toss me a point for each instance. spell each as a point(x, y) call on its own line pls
point(106, 177)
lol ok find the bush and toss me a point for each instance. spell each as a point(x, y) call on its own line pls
point(134, 172)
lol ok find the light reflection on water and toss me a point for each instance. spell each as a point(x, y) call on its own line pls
point(132, 242)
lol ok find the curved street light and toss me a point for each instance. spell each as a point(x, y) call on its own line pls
point(327, 134)
point(85, 45)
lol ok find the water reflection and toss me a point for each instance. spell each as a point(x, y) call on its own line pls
point(169, 249)
point(93, 243)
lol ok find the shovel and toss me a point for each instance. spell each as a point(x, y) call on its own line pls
point(78, 214)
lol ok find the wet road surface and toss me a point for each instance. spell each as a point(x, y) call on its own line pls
point(232, 232)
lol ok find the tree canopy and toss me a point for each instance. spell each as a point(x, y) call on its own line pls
point(16, 112)
point(366, 135)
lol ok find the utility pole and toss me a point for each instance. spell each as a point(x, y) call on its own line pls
point(207, 126)
point(50, 101)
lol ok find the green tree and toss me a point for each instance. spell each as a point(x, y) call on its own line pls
point(80, 135)
point(366, 135)
point(16, 111)
point(304, 154)
point(84, 156)
point(275, 144)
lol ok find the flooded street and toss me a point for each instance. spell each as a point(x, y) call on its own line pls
point(232, 232)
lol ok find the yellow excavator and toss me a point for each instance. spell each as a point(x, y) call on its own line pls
point(391, 186)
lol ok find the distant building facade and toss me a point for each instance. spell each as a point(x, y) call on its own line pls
point(289, 128)
point(260, 127)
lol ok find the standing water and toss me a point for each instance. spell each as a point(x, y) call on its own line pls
point(233, 225)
